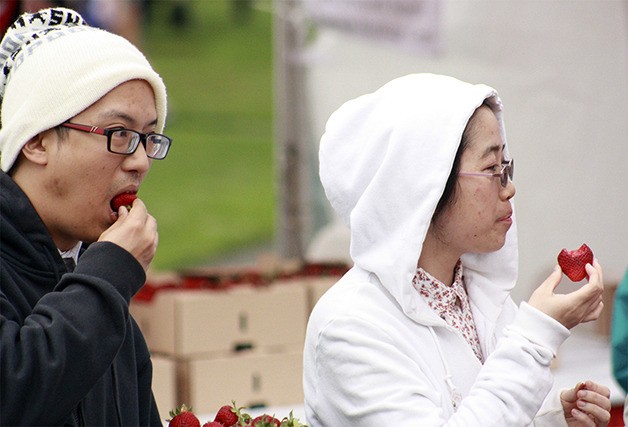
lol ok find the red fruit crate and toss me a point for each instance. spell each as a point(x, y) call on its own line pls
point(617, 417)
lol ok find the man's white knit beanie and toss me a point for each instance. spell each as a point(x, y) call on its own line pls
point(53, 66)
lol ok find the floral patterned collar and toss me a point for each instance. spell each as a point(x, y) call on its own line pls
point(451, 303)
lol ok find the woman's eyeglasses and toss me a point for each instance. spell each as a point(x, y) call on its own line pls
point(507, 172)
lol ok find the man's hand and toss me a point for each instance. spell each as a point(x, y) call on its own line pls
point(587, 404)
point(135, 231)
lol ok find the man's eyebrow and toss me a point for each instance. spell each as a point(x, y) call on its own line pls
point(115, 114)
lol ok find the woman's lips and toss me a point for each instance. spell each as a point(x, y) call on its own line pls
point(507, 219)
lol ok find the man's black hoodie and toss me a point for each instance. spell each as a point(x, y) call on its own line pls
point(70, 353)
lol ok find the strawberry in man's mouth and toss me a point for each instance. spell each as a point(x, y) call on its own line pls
point(124, 199)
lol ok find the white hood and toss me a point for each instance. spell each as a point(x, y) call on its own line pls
point(384, 161)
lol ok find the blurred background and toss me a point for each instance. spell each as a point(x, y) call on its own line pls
point(252, 82)
point(215, 194)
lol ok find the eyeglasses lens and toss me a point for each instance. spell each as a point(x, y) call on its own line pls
point(124, 141)
point(507, 172)
point(157, 146)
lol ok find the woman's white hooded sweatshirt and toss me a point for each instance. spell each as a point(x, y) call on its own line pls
point(375, 353)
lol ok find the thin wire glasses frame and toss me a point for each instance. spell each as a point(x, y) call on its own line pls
point(126, 141)
point(507, 172)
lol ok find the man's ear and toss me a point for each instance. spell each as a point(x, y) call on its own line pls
point(37, 149)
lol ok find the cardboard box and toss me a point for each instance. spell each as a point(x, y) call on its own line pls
point(250, 378)
point(164, 384)
point(190, 323)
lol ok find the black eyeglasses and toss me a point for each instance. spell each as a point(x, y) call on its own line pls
point(508, 171)
point(126, 141)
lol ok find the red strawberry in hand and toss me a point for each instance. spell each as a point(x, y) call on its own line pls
point(213, 424)
point(227, 416)
point(183, 417)
point(124, 199)
point(573, 262)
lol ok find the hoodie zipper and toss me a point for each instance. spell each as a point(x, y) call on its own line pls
point(116, 394)
point(77, 416)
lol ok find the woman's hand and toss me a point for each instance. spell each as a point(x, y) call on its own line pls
point(587, 404)
point(579, 306)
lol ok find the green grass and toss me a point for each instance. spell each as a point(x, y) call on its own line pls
point(214, 193)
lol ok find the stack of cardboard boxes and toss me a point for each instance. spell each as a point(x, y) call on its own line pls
point(214, 342)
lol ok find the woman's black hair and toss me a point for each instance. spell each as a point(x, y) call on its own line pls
point(449, 193)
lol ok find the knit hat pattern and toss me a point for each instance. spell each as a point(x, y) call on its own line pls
point(53, 66)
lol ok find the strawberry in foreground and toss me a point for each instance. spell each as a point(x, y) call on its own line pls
point(124, 199)
point(227, 416)
point(573, 262)
point(265, 421)
point(183, 417)
point(232, 416)
point(290, 421)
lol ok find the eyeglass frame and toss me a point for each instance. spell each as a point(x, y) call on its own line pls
point(506, 174)
point(143, 137)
